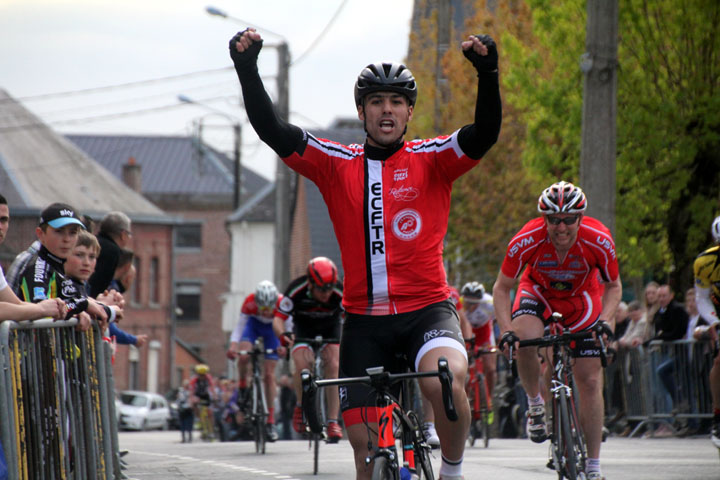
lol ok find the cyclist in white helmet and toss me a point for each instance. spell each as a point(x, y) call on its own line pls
point(256, 318)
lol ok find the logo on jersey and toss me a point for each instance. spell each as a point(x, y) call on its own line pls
point(39, 293)
point(377, 243)
point(407, 224)
point(404, 194)
point(286, 305)
point(400, 174)
point(562, 286)
point(548, 264)
point(520, 244)
point(68, 290)
point(605, 243)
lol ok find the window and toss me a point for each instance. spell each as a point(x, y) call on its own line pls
point(136, 298)
point(188, 236)
point(154, 281)
point(188, 300)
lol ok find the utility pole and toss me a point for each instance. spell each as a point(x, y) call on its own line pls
point(283, 179)
point(598, 151)
point(237, 190)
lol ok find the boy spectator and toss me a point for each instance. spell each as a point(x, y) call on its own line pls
point(44, 275)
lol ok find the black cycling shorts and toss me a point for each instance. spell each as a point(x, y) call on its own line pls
point(375, 340)
point(327, 331)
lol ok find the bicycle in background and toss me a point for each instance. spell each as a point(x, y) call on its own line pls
point(391, 414)
point(316, 345)
point(206, 420)
point(478, 393)
point(568, 451)
point(257, 411)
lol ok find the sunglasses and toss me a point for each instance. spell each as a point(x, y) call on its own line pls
point(325, 288)
point(552, 220)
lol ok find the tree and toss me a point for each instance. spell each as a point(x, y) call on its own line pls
point(494, 198)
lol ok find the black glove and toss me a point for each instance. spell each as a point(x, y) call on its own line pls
point(602, 328)
point(487, 63)
point(508, 338)
point(242, 60)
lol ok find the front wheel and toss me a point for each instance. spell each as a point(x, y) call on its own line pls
point(484, 422)
point(383, 470)
point(422, 463)
point(565, 443)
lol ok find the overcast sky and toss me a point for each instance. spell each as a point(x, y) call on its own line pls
point(151, 51)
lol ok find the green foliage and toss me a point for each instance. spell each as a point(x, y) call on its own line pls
point(668, 127)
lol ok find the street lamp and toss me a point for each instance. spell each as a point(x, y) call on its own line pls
point(237, 186)
point(284, 184)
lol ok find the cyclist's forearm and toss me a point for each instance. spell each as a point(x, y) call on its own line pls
point(283, 137)
point(477, 138)
point(610, 300)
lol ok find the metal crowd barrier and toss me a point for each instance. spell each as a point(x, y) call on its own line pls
point(57, 402)
point(666, 383)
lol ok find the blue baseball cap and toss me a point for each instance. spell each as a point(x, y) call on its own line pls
point(58, 215)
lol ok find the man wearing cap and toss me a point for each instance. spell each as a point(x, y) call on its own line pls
point(44, 275)
point(11, 308)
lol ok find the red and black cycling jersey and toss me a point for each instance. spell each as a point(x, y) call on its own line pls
point(389, 215)
point(307, 312)
point(44, 277)
point(593, 252)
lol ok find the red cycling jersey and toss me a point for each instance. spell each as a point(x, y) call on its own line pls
point(571, 287)
point(390, 218)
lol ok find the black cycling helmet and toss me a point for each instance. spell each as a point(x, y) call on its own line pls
point(386, 77)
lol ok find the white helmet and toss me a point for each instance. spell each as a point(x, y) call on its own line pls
point(266, 294)
point(473, 292)
point(715, 229)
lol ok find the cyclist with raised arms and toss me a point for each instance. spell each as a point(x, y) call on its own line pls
point(389, 203)
point(476, 318)
point(312, 303)
point(707, 295)
point(565, 256)
point(256, 318)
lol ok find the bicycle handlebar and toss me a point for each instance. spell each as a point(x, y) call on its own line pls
point(380, 381)
point(316, 342)
point(563, 338)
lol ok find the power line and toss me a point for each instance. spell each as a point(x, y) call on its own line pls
point(322, 34)
point(120, 85)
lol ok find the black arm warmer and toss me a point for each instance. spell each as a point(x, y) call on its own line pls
point(477, 138)
point(283, 137)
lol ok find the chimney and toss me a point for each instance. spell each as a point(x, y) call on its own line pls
point(132, 175)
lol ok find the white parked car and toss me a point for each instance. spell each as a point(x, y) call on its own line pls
point(143, 411)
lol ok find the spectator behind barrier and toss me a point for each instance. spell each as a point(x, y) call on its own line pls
point(650, 300)
point(115, 234)
point(57, 232)
point(11, 307)
point(79, 267)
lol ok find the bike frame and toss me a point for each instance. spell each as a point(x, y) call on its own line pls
point(384, 456)
point(568, 447)
point(316, 344)
point(479, 409)
point(259, 412)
